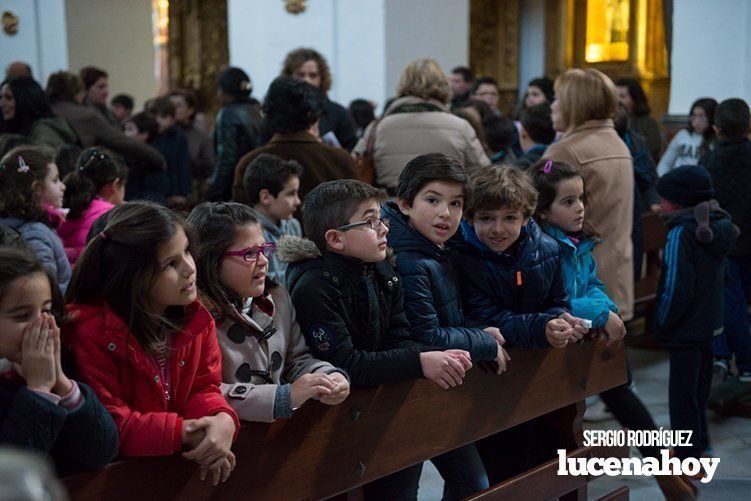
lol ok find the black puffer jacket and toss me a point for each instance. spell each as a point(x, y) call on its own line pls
point(690, 308)
point(351, 313)
point(519, 293)
point(729, 164)
point(431, 287)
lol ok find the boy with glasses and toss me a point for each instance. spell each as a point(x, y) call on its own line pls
point(350, 303)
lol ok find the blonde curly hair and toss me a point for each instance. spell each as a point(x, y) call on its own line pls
point(425, 79)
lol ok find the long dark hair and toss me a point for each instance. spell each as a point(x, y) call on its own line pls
point(20, 168)
point(96, 167)
point(216, 225)
point(17, 263)
point(31, 105)
point(120, 266)
point(638, 96)
point(709, 106)
point(546, 175)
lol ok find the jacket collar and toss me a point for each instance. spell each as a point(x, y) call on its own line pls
point(591, 124)
point(560, 236)
point(268, 225)
point(301, 136)
point(410, 101)
point(116, 333)
point(402, 237)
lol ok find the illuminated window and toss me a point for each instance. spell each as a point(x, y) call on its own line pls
point(607, 31)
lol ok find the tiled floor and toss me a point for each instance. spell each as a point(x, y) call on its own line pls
point(731, 440)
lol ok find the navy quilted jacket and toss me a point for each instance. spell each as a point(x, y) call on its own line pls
point(519, 293)
point(431, 291)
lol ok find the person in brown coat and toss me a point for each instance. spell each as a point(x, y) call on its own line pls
point(65, 92)
point(292, 109)
point(584, 108)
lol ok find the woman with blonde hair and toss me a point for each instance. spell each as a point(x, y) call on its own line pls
point(585, 104)
point(419, 122)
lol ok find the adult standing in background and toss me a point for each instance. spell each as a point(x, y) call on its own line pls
point(585, 104)
point(200, 143)
point(307, 64)
point(292, 108)
point(632, 96)
point(238, 125)
point(419, 122)
point(461, 80)
point(24, 110)
point(66, 93)
point(97, 84)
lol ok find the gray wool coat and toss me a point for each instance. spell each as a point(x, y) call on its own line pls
point(257, 375)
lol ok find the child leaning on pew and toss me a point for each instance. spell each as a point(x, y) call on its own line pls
point(267, 369)
point(350, 303)
point(511, 272)
point(145, 344)
point(426, 215)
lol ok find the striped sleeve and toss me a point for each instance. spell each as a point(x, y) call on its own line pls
point(678, 282)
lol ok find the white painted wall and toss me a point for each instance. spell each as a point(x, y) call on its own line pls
point(531, 42)
point(41, 40)
point(425, 28)
point(115, 35)
point(711, 52)
point(366, 42)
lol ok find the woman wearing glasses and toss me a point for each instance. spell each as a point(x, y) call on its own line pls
point(267, 369)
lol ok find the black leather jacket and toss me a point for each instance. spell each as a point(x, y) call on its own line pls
point(236, 133)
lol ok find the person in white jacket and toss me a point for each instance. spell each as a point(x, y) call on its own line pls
point(689, 144)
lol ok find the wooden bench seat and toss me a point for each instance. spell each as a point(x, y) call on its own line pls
point(326, 451)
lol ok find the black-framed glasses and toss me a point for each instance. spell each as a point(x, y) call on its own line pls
point(250, 255)
point(374, 223)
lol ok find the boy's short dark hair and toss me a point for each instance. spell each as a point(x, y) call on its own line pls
point(499, 132)
point(145, 122)
point(427, 168)
point(465, 72)
point(269, 172)
point(161, 106)
point(538, 123)
point(123, 100)
point(498, 186)
point(331, 204)
point(732, 118)
point(484, 81)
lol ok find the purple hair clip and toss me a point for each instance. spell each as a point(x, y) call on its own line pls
point(22, 167)
point(548, 167)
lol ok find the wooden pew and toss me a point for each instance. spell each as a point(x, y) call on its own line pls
point(645, 289)
point(326, 451)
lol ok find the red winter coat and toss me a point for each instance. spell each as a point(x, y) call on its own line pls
point(128, 381)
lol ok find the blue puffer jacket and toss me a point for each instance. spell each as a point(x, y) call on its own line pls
point(431, 291)
point(586, 291)
point(518, 294)
point(47, 247)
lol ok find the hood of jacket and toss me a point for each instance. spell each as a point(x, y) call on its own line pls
point(711, 226)
point(59, 126)
point(560, 236)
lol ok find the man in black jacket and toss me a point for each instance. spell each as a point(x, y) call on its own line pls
point(690, 299)
point(729, 164)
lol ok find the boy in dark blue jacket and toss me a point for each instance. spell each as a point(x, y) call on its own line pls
point(690, 295)
point(172, 143)
point(511, 271)
point(430, 200)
